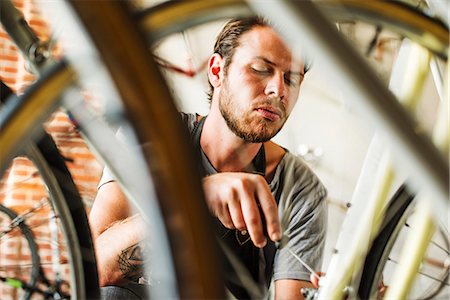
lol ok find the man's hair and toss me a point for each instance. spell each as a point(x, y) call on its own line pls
point(228, 40)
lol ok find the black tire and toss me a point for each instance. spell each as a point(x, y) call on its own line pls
point(383, 243)
point(69, 206)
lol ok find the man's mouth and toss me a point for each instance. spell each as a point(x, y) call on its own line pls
point(270, 113)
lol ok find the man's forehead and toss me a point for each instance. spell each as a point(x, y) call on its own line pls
point(294, 67)
point(266, 45)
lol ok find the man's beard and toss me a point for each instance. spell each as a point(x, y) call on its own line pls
point(248, 128)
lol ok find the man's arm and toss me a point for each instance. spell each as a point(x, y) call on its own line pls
point(110, 206)
point(232, 197)
point(117, 236)
point(304, 214)
point(121, 250)
point(286, 289)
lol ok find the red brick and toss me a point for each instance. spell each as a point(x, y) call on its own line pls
point(9, 81)
point(8, 69)
point(19, 196)
point(37, 23)
point(5, 57)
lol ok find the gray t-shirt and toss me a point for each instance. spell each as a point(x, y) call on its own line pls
point(301, 207)
point(302, 211)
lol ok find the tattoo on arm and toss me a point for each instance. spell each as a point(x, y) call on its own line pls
point(131, 260)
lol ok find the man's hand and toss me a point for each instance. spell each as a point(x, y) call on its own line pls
point(315, 280)
point(234, 198)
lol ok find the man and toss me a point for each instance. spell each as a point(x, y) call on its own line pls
point(258, 191)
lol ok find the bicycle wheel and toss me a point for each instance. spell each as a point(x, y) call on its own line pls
point(12, 230)
point(63, 266)
point(381, 259)
point(160, 21)
point(393, 16)
point(178, 189)
point(58, 220)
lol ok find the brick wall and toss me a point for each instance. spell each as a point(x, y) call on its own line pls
point(21, 188)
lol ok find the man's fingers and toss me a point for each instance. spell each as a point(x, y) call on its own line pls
point(269, 209)
point(244, 201)
point(225, 218)
point(252, 219)
point(235, 209)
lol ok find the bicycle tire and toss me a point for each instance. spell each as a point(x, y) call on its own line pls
point(176, 180)
point(398, 210)
point(66, 201)
point(382, 244)
point(41, 97)
point(28, 235)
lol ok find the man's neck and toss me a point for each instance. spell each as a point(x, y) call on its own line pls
point(226, 151)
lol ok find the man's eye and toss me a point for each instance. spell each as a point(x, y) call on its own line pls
point(260, 70)
point(293, 81)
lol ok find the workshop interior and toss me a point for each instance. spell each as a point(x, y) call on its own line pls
point(86, 85)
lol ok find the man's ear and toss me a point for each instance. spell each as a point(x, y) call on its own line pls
point(215, 69)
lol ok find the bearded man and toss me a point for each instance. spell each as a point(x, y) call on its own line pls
point(258, 191)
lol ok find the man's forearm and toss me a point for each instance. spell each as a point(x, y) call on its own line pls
point(131, 260)
point(121, 251)
point(290, 289)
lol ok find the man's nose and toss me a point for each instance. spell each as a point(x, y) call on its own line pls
point(276, 86)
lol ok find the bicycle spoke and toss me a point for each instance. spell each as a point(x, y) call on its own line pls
point(439, 280)
point(25, 266)
point(432, 242)
point(24, 216)
point(17, 283)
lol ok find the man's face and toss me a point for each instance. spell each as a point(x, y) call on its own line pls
point(260, 87)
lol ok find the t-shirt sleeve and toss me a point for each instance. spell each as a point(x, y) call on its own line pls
point(303, 214)
point(107, 177)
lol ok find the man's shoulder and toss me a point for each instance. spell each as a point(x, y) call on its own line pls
point(296, 171)
point(285, 159)
point(296, 166)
